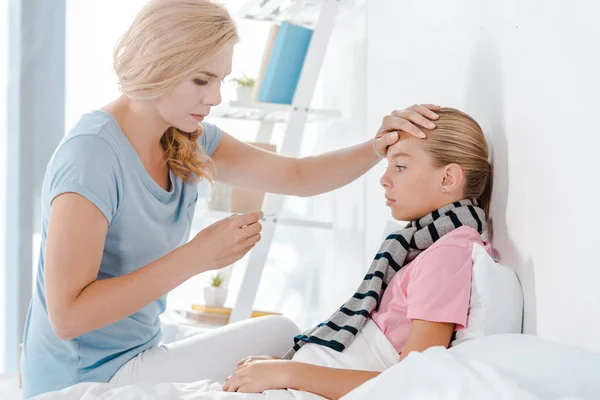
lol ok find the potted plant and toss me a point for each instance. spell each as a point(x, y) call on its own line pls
point(216, 293)
point(244, 88)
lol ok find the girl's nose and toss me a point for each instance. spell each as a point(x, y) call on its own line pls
point(385, 181)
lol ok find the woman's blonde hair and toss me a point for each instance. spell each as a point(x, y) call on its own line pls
point(458, 139)
point(166, 43)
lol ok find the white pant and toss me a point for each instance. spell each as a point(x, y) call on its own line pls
point(211, 354)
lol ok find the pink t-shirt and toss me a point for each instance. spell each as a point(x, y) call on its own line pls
point(435, 286)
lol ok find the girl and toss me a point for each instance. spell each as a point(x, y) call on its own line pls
point(119, 195)
point(416, 293)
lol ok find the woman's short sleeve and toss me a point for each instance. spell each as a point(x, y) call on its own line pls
point(210, 138)
point(89, 166)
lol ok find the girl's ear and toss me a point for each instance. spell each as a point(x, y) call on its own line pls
point(452, 179)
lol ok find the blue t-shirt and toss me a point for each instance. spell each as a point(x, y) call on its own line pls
point(96, 160)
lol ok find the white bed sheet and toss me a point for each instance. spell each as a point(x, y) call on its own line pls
point(432, 375)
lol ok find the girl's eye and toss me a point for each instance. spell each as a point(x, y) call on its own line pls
point(200, 82)
point(400, 168)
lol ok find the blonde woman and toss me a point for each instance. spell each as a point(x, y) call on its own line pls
point(416, 293)
point(118, 198)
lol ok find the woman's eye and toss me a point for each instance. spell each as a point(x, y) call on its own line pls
point(400, 168)
point(200, 82)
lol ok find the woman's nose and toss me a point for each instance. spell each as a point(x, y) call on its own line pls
point(213, 97)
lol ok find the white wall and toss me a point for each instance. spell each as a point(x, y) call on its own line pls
point(528, 72)
point(342, 85)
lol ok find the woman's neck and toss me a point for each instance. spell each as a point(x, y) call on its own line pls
point(141, 124)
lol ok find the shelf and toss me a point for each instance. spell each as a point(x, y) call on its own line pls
point(299, 12)
point(283, 221)
point(268, 112)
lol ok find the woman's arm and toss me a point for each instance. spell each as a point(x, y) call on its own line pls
point(78, 303)
point(242, 165)
point(331, 383)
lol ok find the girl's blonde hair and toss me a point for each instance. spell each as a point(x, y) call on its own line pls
point(166, 43)
point(459, 139)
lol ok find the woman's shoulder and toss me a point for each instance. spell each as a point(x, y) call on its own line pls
point(89, 145)
point(92, 138)
point(97, 124)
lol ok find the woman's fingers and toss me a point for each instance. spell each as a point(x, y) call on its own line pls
point(252, 229)
point(426, 110)
point(416, 116)
point(242, 220)
point(405, 125)
point(432, 107)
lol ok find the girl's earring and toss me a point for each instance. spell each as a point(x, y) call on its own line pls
point(444, 190)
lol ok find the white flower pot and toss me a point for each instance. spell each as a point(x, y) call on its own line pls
point(215, 296)
point(244, 94)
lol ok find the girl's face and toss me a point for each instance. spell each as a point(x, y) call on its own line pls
point(414, 186)
point(191, 100)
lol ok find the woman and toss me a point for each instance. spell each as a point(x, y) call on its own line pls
point(119, 195)
point(443, 185)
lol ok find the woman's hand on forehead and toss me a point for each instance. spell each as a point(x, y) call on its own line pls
point(408, 121)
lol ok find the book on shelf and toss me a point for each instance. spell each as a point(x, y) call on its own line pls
point(283, 63)
point(225, 312)
point(265, 61)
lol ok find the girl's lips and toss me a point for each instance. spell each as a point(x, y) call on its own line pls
point(198, 117)
point(389, 202)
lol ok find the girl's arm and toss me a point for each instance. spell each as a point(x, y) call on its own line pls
point(331, 383)
point(334, 383)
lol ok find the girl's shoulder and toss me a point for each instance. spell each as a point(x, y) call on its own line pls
point(462, 238)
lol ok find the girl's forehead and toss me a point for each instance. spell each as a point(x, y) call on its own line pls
point(407, 145)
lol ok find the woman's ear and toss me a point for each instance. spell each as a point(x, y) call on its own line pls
point(452, 179)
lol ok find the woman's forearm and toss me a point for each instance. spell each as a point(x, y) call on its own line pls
point(107, 301)
point(331, 383)
point(329, 171)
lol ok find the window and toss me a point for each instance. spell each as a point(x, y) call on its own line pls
point(3, 133)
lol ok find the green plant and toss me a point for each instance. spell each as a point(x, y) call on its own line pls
point(217, 280)
point(244, 81)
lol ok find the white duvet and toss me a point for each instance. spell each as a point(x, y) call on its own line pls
point(434, 374)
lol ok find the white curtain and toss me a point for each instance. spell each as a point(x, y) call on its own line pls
point(3, 127)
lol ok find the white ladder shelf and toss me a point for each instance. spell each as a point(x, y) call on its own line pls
point(320, 15)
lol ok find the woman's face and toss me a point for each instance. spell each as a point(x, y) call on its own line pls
point(191, 100)
point(413, 185)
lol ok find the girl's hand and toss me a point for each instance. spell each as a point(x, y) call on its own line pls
point(256, 358)
point(258, 376)
point(225, 241)
point(404, 121)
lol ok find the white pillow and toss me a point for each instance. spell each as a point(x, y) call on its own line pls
point(549, 370)
point(496, 304)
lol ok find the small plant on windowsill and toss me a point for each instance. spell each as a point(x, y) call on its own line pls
point(245, 86)
point(216, 293)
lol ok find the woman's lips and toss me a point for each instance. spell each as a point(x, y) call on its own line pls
point(389, 202)
point(198, 117)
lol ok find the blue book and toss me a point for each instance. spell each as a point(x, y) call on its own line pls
point(285, 64)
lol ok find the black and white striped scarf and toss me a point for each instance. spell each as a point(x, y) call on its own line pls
point(398, 249)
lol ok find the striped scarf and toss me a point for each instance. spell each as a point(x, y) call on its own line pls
point(397, 250)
